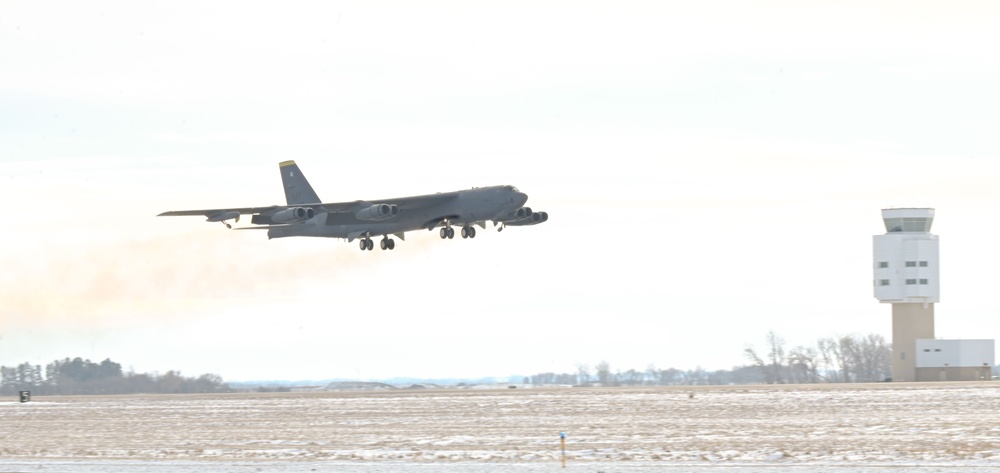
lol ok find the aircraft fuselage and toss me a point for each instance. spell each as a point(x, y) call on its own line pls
point(459, 208)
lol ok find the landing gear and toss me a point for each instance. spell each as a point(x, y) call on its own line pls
point(387, 243)
point(448, 232)
point(366, 243)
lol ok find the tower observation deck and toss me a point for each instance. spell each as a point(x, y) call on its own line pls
point(906, 258)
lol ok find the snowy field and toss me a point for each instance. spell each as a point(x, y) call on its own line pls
point(940, 427)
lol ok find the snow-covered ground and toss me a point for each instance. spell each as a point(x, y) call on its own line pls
point(941, 427)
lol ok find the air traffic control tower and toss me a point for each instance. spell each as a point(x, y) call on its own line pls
point(907, 276)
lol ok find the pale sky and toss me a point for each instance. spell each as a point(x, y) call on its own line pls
point(712, 171)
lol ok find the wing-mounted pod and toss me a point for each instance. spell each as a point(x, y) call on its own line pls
point(223, 216)
point(377, 212)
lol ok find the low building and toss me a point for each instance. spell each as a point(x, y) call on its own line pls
point(954, 360)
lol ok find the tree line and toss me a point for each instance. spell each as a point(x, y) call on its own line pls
point(79, 376)
point(845, 359)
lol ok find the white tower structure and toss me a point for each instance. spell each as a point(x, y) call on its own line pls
point(907, 272)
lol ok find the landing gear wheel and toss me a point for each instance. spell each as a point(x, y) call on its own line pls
point(363, 244)
point(465, 232)
point(472, 232)
point(384, 244)
point(370, 244)
point(392, 244)
point(451, 233)
point(444, 233)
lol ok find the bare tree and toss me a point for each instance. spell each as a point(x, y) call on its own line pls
point(652, 374)
point(803, 365)
point(759, 363)
point(774, 365)
point(854, 358)
point(832, 359)
point(668, 377)
point(873, 357)
point(696, 376)
point(632, 378)
point(776, 355)
point(603, 373)
point(582, 374)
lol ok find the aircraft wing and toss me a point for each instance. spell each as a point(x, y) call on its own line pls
point(342, 212)
point(213, 212)
point(275, 214)
point(403, 203)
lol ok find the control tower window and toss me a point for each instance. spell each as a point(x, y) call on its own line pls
point(908, 224)
point(883, 264)
point(910, 282)
point(911, 264)
point(923, 264)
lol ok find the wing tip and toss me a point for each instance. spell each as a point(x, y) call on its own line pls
point(286, 163)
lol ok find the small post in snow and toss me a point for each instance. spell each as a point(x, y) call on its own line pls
point(562, 436)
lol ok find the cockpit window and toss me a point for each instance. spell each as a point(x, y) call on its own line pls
point(511, 188)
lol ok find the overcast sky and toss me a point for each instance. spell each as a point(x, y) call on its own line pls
point(712, 171)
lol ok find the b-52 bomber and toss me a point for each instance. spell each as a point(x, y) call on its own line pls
point(363, 220)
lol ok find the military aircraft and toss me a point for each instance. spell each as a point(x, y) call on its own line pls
point(306, 215)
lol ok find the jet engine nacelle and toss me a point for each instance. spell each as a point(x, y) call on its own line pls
point(534, 218)
point(519, 214)
point(293, 215)
point(377, 212)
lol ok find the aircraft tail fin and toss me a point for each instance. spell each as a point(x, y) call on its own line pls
point(297, 188)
